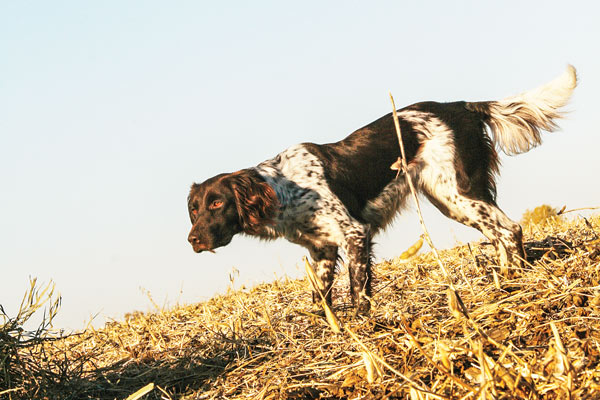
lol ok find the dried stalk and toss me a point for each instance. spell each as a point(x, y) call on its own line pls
point(414, 195)
point(261, 343)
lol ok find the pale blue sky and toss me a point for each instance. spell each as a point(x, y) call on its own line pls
point(110, 110)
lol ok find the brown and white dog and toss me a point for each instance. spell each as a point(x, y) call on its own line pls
point(339, 195)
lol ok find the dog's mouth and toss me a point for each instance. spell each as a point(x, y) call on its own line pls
point(209, 245)
point(199, 248)
point(200, 251)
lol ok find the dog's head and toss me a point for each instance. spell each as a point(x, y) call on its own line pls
point(228, 204)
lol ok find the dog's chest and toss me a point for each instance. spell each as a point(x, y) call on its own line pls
point(309, 211)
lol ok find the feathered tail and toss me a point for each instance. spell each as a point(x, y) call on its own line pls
point(516, 122)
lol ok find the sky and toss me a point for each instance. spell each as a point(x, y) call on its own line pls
point(110, 110)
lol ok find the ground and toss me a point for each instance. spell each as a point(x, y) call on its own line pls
point(532, 334)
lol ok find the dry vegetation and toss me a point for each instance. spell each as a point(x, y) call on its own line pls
point(533, 335)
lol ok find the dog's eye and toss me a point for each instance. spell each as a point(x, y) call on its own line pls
point(215, 204)
point(195, 211)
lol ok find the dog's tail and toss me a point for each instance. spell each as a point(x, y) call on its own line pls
point(515, 122)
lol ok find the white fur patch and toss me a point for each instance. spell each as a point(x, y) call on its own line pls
point(516, 121)
point(433, 164)
point(311, 214)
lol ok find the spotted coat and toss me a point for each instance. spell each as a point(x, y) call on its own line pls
point(328, 197)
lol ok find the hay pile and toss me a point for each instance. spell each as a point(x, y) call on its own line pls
point(533, 335)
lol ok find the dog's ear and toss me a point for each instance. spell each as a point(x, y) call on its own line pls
point(256, 200)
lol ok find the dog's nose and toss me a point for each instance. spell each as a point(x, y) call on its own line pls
point(193, 239)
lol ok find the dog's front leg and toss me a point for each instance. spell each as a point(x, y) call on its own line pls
point(358, 250)
point(325, 259)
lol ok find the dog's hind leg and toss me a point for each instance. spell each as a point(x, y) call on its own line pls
point(505, 234)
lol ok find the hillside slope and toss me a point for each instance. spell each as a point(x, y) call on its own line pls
point(533, 335)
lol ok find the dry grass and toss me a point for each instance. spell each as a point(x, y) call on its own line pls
point(533, 335)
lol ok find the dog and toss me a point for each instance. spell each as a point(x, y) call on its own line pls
point(334, 196)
